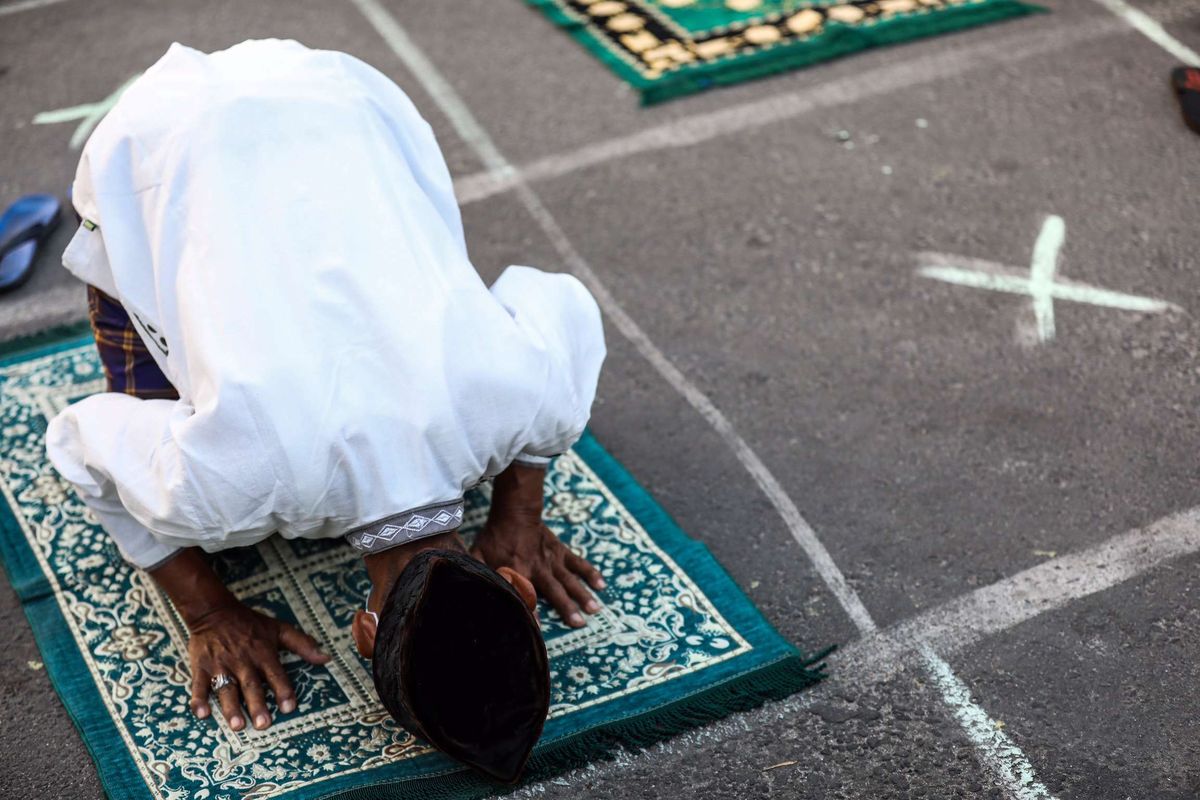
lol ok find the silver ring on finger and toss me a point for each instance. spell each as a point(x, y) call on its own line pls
point(220, 681)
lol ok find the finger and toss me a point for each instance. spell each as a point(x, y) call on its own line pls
point(301, 644)
point(552, 589)
point(230, 700)
point(281, 686)
point(524, 588)
point(583, 568)
point(578, 591)
point(255, 698)
point(200, 686)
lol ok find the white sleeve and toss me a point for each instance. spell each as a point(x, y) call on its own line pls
point(560, 314)
point(99, 438)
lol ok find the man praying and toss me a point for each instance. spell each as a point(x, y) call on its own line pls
point(295, 341)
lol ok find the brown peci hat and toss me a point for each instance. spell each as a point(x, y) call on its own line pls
point(460, 661)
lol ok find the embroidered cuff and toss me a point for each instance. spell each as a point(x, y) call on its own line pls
point(531, 461)
point(406, 527)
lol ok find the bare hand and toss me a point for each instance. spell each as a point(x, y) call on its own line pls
point(528, 547)
point(240, 642)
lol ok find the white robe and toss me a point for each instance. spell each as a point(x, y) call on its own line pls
point(281, 225)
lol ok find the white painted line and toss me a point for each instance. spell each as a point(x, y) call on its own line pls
point(1076, 293)
point(998, 752)
point(26, 5)
point(957, 624)
point(1042, 283)
point(473, 133)
point(1041, 274)
point(952, 627)
point(88, 114)
point(1153, 30)
point(697, 128)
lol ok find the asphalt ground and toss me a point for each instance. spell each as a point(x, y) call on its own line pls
point(772, 343)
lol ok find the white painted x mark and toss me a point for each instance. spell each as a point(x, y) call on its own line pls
point(1041, 283)
point(88, 114)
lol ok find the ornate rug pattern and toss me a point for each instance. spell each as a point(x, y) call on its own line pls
point(676, 645)
point(666, 48)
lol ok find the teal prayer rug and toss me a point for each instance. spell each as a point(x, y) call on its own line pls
point(666, 48)
point(676, 645)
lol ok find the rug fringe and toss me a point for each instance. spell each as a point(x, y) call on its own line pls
point(775, 682)
point(637, 732)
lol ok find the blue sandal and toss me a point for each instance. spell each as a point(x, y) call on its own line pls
point(24, 228)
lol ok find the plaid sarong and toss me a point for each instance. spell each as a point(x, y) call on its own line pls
point(128, 366)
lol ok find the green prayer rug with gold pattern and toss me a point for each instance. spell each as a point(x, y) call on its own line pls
point(676, 645)
point(666, 48)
